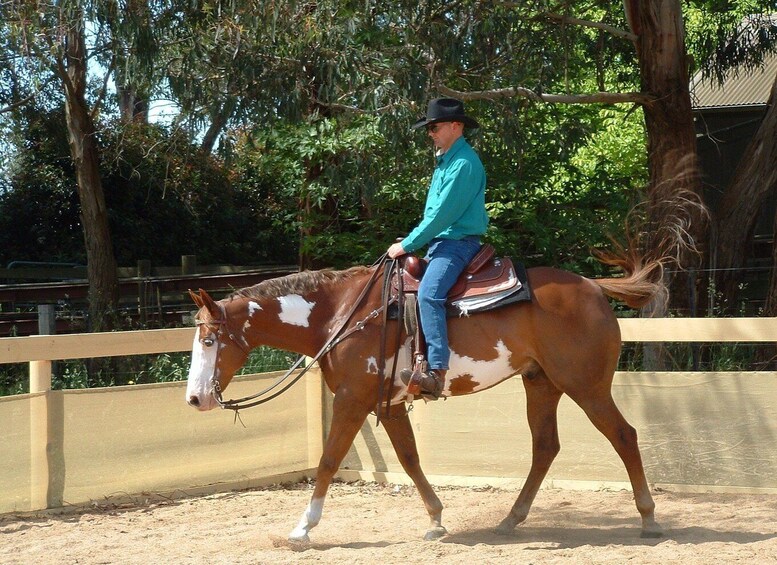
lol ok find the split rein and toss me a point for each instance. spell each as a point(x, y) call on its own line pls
point(337, 336)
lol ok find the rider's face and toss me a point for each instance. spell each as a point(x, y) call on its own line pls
point(443, 134)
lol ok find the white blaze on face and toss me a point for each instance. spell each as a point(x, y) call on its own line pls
point(201, 370)
point(295, 310)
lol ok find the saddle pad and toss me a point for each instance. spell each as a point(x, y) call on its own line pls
point(482, 303)
point(520, 293)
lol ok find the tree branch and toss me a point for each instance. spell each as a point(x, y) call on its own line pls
point(585, 23)
point(516, 92)
point(103, 90)
point(21, 102)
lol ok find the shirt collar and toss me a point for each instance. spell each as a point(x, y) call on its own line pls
point(452, 150)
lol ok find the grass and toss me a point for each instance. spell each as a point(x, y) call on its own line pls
point(136, 369)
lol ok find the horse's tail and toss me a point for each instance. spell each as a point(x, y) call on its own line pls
point(643, 279)
point(667, 241)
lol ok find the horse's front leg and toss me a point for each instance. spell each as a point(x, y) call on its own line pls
point(348, 415)
point(400, 432)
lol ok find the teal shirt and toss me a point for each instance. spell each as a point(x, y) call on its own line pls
point(456, 202)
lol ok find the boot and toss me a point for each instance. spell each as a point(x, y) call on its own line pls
point(433, 381)
point(430, 382)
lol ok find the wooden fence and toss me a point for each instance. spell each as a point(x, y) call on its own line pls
point(156, 297)
point(698, 431)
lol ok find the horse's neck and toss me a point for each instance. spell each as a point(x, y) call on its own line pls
point(291, 322)
point(300, 322)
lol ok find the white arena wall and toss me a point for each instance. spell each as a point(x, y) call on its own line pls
point(698, 431)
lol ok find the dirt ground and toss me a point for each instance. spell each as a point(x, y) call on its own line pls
point(373, 523)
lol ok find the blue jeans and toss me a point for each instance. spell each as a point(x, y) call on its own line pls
point(447, 259)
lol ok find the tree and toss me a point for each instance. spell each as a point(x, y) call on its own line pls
point(656, 31)
point(52, 40)
point(754, 180)
point(739, 43)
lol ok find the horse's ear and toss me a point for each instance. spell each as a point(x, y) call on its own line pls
point(196, 298)
point(207, 302)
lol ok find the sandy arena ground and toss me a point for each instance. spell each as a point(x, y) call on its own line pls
point(372, 523)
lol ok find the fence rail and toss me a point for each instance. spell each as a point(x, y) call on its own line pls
point(160, 297)
point(698, 430)
point(113, 344)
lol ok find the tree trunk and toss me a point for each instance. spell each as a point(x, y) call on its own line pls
point(671, 147)
point(671, 144)
point(217, 123)
point(133, 107)
point(771, 298)
point(101, 264)
point(754, 179)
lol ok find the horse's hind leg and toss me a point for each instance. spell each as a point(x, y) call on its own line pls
point(400, 433)
point(604, 414)
point(348, 415)
point(542, 399)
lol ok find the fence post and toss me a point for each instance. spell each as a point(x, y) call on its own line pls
point(188, 264)
point(144, 272)
point(40, 382)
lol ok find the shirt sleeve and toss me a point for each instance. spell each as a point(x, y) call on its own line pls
point(448, 202)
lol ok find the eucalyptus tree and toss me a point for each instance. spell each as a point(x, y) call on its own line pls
point(732, 40)
point(49, 41)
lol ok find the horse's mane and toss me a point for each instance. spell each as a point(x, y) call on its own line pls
point(297, 283)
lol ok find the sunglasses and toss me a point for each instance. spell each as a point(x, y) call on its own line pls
point(432, 128)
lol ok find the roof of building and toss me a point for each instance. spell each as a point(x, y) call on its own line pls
point(745, 88)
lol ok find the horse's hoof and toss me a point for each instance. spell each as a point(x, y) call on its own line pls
point(651, 530)
point(506, 527)
point(652, 534)
point(435, 533)
point(299, 538)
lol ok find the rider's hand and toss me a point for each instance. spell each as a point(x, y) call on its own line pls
point(396, 250)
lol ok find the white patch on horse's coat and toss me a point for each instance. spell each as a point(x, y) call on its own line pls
point(486, 373)
point(201, 371)
point(310, 518)
point(295, 310)
point(372, 365)
point(253, 308)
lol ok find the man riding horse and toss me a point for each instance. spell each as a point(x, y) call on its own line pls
point(454, 220)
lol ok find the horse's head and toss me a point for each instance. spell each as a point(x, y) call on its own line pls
point(219, 350)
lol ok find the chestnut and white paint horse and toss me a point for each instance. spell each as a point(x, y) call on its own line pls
point(565, 341)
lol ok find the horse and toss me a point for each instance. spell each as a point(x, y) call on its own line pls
point(566, 340)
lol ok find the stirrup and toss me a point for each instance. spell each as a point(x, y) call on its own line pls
point(426, 383)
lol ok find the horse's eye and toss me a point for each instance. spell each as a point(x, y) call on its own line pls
point(208, 341)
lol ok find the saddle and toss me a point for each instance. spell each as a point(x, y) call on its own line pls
point(486, 283)
point(485, 276)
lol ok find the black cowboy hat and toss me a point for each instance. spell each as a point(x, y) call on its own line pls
point(445, 110)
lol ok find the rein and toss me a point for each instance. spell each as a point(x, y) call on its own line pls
point(337, 336)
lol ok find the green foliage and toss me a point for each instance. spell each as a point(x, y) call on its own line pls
point(165, 198)
point(139, 369)
point(725, 36)
point(335, 181)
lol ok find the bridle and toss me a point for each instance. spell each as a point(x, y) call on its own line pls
point(222, 323)
point(336, 337)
